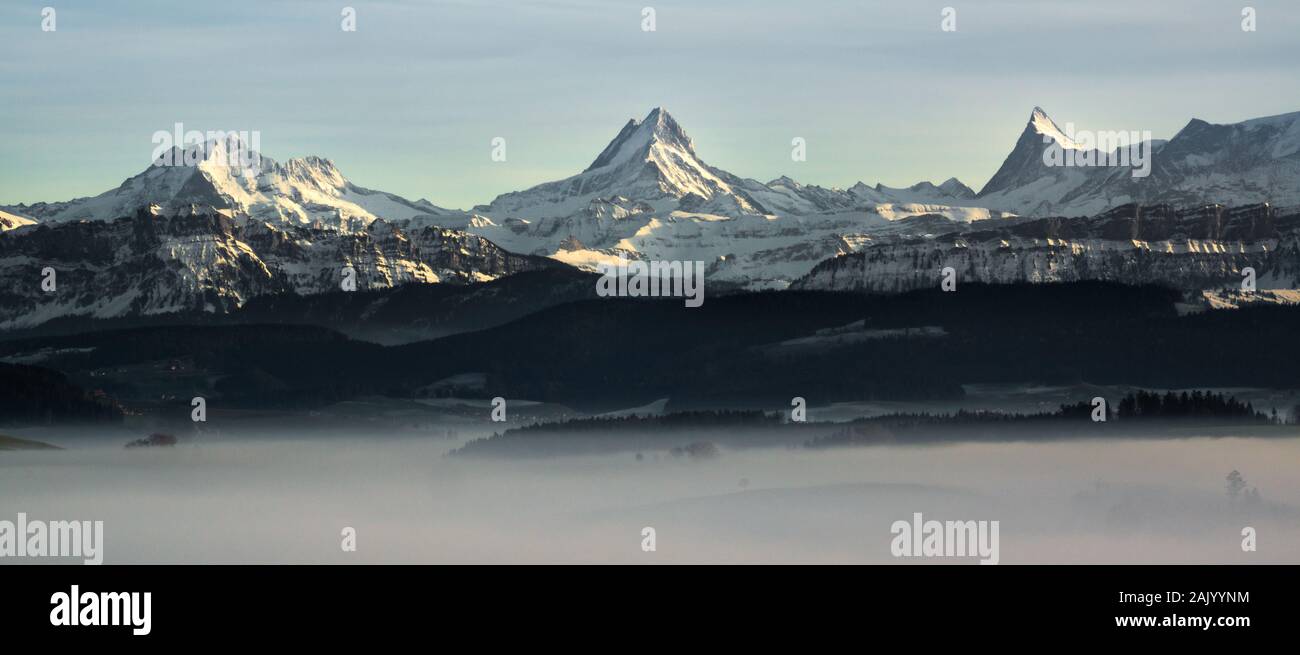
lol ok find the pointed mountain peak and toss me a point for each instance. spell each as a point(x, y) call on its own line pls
point(637, 136)
point(1043, 125)
point(661, 126)
point(665, 127)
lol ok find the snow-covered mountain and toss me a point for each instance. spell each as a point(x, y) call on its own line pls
point(648, 195)
point(1026, 183)
point(305, 191)
point(1236, 164)
point(652, 161)
point(213, 260)
point(1253, 161)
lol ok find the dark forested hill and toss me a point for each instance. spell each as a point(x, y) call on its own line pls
point(737, 350)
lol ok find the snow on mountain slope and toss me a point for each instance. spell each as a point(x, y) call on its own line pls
point(1253, 161)
point(651, 161)
point(1026, 185)
point(306, 191)
point(902, 210)
point(786, 196)
point(950, 192)
point(1045, 127)
point(648, 195)
point(10, 221)
point(1242, 163)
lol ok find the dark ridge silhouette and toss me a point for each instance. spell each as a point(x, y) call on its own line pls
point(31, 395)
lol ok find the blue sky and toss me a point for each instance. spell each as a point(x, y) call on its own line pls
point(410, 102)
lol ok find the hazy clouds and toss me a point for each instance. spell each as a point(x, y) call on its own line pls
point(287, 499)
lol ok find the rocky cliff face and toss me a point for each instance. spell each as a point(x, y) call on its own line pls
point(1192, 250)
point(210, 260)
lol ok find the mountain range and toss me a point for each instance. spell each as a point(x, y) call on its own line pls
point(214, 235)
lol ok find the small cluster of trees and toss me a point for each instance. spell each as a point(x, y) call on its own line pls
point(1148, 404)
point(1237, 491)
point(1140, 404)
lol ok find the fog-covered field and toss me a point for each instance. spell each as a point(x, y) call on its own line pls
point(286, 498)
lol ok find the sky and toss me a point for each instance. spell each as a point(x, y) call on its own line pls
point(411, 101)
